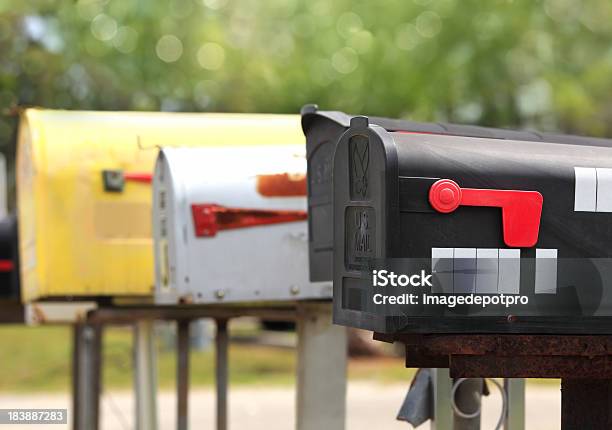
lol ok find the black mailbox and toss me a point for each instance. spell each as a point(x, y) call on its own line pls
point(9, 259)
point(504, 232)
point(324, 128)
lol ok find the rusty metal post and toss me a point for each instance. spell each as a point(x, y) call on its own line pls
point(182, 375)
point(86, 376)
point(221, 372)
point(586, 404)
point(468, 400)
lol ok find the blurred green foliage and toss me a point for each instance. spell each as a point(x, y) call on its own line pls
point(512, 63)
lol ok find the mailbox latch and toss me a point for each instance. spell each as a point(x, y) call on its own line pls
point(114, 180)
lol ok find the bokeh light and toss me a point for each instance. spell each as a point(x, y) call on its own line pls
point(103, 27)
point(169, 48)
point(211, 56)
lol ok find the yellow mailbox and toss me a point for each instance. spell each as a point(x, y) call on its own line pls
point(84, 192)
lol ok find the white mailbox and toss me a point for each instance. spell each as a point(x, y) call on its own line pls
point(230, 225)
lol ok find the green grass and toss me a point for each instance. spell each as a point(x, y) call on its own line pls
point(34, 358)
point(37, 359)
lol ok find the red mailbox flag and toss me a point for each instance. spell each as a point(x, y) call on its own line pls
point(210, 218)
point(521, 210)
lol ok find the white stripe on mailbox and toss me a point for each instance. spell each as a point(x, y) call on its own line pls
point(585, 196)
point(487, 262)
point(509, 281)
point(593, 190)
point(604, 190)
point(442, 269)
point(546, 271)
point(464, 279)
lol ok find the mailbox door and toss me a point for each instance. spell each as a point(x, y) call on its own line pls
point(365, 219)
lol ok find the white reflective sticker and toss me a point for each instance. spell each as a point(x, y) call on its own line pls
point(585, 197)
point(604, 190)
point(546, 271)
point(509, 271)
point(442, 270)
point(486, 270)
point(464, 279)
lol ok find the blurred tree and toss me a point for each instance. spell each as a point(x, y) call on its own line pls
point(520, 63)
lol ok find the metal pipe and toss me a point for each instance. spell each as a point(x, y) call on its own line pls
point(442, 409)
point(182, 375)
point(145, 380)
point(515, 415)
point(77, 415)
point(221, 372)
point(321, 369)
point(86, 376)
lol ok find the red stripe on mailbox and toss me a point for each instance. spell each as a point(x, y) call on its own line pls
point(208, 218)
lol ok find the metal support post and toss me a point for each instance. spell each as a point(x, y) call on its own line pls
point(145, 378)
point(221, 372)
point(182, 375)
point(86, 376)
point(515, 393)
point(321, 369)
point(442, 410)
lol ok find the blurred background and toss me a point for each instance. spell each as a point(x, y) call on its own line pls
point(510, 63)
point(542, 64)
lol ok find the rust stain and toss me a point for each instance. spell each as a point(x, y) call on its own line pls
point(38, 314)
point(282, 185)
point(509, 355)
